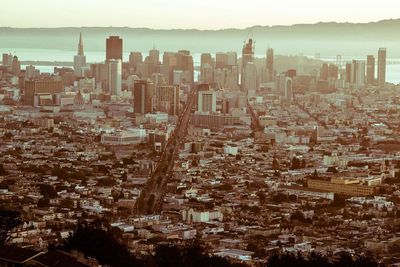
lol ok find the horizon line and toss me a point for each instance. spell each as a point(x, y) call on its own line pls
point(197, 29)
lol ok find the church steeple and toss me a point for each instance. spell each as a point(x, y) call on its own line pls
point(80, 46)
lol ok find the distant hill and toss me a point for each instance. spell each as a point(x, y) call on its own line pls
point(328, 39)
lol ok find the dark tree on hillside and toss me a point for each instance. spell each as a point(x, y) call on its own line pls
point(332, 169)
point(9, 219)
point(2, 170)
point(47, 191)
point(168, 256)
point(94, 241)
point(275, 164)
point(295, 164)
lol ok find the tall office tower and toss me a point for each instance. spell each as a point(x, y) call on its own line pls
point(382, 66)
point(79, 59)
point(100, 74)
point(284, 86)
point(280, 84)
point(221, 60)
point(7, 60)
point(167, 99)
point(143, 92)
point(30, 72)
point(324, 72)
point(16, 66)
point(288, 88)
point(206, 58)
point(358, 73)
point(206, 73)
point(114, 48)
point(232, 79)
point(232, 58)
point(154, 56)
point(250, 78)
point(185, 64)
point(348, 73)
point(270, 65)
point(333, 72)
point(114, 76)
point(247, 56)
point(40, 91)
point(207, 101)
point(168, 66)
point(370, 69)
point(135, 58)
point(232, 76)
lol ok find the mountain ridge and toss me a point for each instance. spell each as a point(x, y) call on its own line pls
point(327, 38)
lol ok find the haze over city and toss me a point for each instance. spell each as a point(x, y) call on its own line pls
point(199, 133)
point(181, 14)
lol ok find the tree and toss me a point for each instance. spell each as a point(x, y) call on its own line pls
point(47, 191)
point(94, 241)
point(67, 203)
point(225, 187)
point(2, 170)
point(9, 219)
point(303, 163)
point(275, 164)
point(296, 164)
point(315, 175)
point(99, 240)
point(332, 169)
point(168, 256)
point(261, 197)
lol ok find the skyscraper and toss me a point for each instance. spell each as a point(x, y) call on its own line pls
point(270, 65)
point(333, 72)
point(250, 78)
point(221, 60)
point(30, 72)
point(358, 73)
point(154, 56)
point(79, 59)
point(114, 76)
point(143, 96)
point(114, 48)
point(289, 89)
point(207, 101)
point(206, 58)
point(370, 69)
point(382, 66)
point(348, 73)
point(7, 60)
point(167, 99)
point(247, 56)
point(232, 58)
point(184, 62)
point(206, 73)
point(16, 66)
point(135, 58)
point(324, 72)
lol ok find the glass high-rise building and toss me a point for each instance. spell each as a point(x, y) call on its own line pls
point(382, 66)
point(370, 69)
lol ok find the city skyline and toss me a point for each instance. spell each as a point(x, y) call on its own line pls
point(192, 15)
point(264, 146)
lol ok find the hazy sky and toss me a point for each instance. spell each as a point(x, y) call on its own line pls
point(201, 14)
